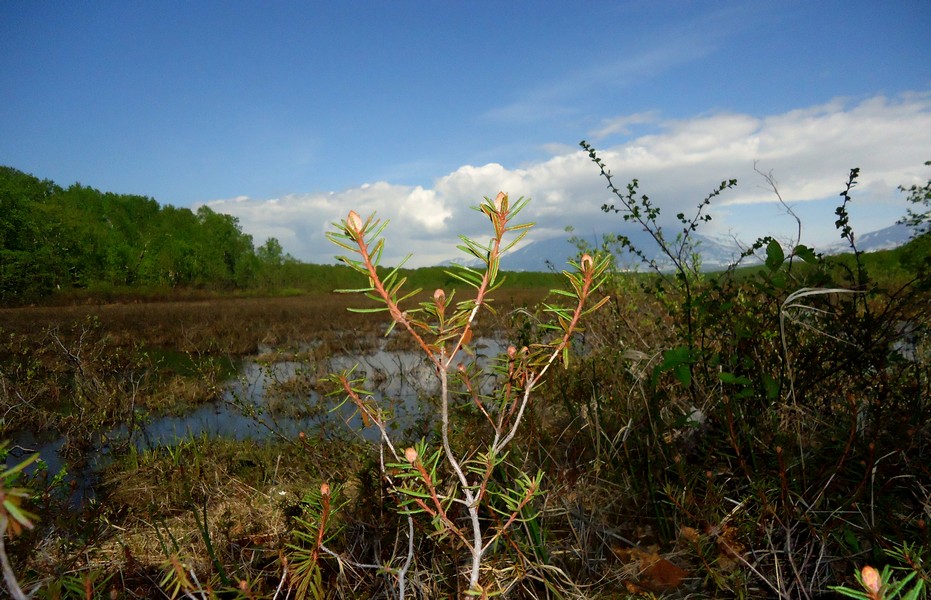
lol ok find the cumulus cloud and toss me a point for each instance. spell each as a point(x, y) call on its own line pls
point(809, 151)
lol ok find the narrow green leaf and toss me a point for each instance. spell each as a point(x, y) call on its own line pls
point(471, 251)
point(564, 293)
point(376, 252)
point(409, 295)
point(368, 310)
point(521, 227)
point(344, 245)
point(600, 303)
point(17, 514)
point(464, 279)
point(380, 227)
point(415, 493)
point(513, 242)
point(19, 467)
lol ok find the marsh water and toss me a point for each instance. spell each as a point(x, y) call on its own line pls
point(274, 395)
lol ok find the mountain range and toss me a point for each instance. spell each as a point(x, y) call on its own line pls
point(717, 252)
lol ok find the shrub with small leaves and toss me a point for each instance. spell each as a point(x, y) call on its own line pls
point(453, 487)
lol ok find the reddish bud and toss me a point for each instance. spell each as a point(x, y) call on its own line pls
point(512, 352)
point(411, 455)
point(690, 533)
point(587, 263)
point(501, 201)
point(439, 296)
point(324, 489)
point(354, 222)
point(871, 579)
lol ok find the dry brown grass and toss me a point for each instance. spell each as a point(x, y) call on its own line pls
point(236, 326)
point(79, 367)
point(232, 325)
point(249, 489)
point(251, 493)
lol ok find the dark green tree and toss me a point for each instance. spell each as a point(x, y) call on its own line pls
point(28, 267)
point(55, 239)
point(229, 254)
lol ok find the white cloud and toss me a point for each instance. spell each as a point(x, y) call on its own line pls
point(809, 151)
point(622, 124)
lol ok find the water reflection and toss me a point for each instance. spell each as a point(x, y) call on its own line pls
point(275, 399)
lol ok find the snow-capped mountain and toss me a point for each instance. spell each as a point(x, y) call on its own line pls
point(886, 238)
point(717, 252)
point(553, 253)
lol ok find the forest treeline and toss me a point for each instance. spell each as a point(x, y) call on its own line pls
point(54, 238)
point(76, 243)
point(59, 242)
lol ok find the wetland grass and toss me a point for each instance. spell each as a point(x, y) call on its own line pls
point(74, 371)
point(630, 479)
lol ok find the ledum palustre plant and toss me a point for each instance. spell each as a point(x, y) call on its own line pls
point(13, 519)
point(441, 484)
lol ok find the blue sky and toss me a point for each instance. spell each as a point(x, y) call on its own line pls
point(288, 114)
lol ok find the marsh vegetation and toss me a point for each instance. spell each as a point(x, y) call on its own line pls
point(754, 433)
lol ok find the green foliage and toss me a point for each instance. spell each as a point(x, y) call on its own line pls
point(771, 401)
point(315, 529)
point(768, 424)
point(13, 518)
point(907, 580)
point(66, 241)
point(12, 515)
point(920, 196)
point(54, 239)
